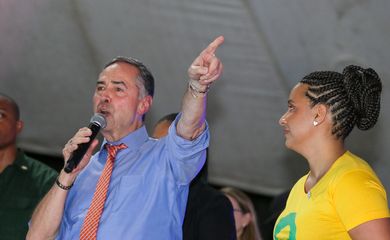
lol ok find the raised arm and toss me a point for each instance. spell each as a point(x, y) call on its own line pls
point(204, 70)
point(47, 216)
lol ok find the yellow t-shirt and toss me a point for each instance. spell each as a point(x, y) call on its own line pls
point(348, 195)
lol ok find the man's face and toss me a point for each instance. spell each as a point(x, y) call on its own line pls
point(117, 98)
point(10, 127)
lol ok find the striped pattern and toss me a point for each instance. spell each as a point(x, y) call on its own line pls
point(91, 222)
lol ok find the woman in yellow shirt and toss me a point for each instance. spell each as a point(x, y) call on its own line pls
point(341, 197)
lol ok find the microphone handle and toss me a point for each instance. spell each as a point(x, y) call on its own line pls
point(79, 153)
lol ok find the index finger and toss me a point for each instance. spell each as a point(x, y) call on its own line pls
point(212, 47)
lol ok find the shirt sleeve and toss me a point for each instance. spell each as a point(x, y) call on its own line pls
point(186, 157)
point(360, 197)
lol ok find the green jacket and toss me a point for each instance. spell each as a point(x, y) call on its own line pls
point(22, 186)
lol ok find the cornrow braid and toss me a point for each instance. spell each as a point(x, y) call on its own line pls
point(353, 97)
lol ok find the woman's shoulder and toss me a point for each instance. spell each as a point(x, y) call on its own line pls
point(349, 166)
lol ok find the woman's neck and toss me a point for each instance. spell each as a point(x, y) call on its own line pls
point(320, 161)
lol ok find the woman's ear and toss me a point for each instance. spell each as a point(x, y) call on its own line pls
point(320, 112)
point(246, 219)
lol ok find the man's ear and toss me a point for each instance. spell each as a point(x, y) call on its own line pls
point(144, 105)
point(19, 126)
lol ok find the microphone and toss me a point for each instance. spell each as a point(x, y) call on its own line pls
point(95, 124)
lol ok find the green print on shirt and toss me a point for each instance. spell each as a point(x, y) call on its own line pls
point(288, 220)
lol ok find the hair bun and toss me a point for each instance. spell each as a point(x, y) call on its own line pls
point(363, 87)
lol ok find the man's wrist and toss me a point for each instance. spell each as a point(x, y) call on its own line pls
point(62, 186)
point(65, 180)
point(196, 89)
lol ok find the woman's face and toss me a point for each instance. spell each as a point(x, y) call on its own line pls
point(241, 219)
point(297, 122)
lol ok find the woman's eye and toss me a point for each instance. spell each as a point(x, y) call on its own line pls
point(290, 107)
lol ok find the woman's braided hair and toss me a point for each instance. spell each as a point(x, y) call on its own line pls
point(353, 97)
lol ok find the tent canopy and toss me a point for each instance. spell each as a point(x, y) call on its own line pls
point(52, 52)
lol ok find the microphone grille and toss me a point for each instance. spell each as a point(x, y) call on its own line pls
point(99, 120)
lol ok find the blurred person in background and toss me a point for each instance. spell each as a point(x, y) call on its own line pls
point(209, 214)
point(23, 180)
point(244, 214)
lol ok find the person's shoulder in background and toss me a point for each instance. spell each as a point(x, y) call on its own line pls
point(42, 177)
point(209, 214)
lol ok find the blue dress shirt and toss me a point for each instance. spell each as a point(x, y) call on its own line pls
point(148, 191)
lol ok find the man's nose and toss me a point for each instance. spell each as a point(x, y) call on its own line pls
point(105, 96)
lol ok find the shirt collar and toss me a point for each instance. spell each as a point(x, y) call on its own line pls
point(20, 161)
point(133, 140)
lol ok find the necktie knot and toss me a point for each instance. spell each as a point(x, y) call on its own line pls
point(113, 149)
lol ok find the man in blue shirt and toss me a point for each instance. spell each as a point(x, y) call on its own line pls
point(148, 189)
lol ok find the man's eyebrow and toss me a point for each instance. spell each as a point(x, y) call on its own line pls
point(116, 82)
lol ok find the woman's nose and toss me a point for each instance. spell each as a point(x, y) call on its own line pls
point(282, 120)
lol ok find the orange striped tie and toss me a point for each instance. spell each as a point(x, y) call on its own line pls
point(91, 222)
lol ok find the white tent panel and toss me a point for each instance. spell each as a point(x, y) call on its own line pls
point(52, 51)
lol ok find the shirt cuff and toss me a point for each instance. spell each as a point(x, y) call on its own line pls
point(203, 137)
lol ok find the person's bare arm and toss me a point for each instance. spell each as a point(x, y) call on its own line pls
point(204, 70)
point(378, 229)
point(47, 216)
